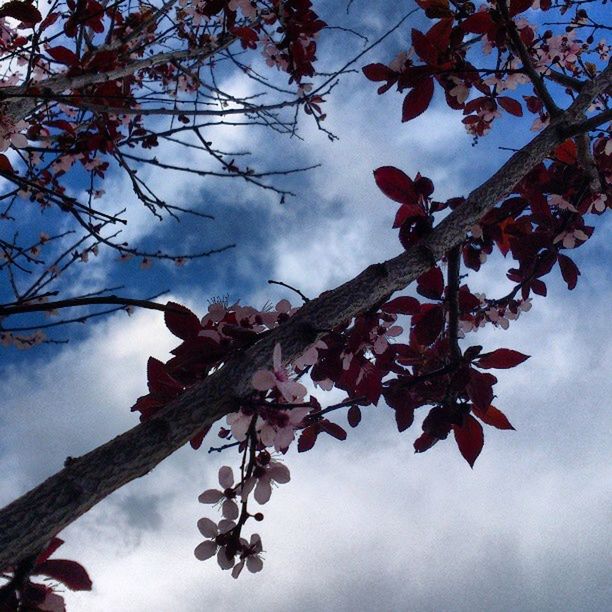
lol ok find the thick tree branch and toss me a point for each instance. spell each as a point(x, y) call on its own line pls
point(28, 523)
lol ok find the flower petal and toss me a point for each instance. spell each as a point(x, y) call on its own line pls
point(263, 380)
point(225, 562)
point(226, 477)
point(263, 490)
point(208, 528)
point(205, 550)
point(230, 509)
point(279, 472)
point(254, 563)
point(211, 496)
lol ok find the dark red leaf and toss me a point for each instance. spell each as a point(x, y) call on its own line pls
point(354, 416)
point(566, 152)
point(492, 416)
point(418, 99)
point(424, 442)
point(47, 552)
point(519, 6)
point(538, 287)
point(307, 438)
point(70, 573)
point(160, 382)
point(181, 321)
point(395, 184)
point(63, 55)
point(510, 105)
point(435, 9)
point(428, 324)
point(333, 429)
point(5, 164)
point(439, 34)
point(402, 305)
point(501, 359)
point(49, 20)
point(469, 438)
point(404, 417)
point(408, 211)
point(423, 47)
point(480, 388)
point(378, 72)
point(431, 283)
point(197, 440)
point(22, 11)
point(478, 23)
point(569, 270)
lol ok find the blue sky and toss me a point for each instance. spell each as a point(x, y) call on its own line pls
point(364, 524)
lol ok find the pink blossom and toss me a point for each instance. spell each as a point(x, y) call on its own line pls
point(568, 239)
point(263, 380)
point(264, 476)
point(279, 428)
point(251, 555)
point(210, 530)
point(239, 423)
point(226, 494)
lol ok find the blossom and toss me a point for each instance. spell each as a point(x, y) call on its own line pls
point(263, 380)
point(205, 550)
point(227, 493)
point(279, 427)
point(250, 554)
point(239, 422)
point(265, 474)
point(568, 239)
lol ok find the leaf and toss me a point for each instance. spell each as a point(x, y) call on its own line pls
point(47, 552)
point(181, 321)
point(510, 105)
point(435, 9)
point(378, 72)
point(22, 11)
point(478, 23)
point(428, 324)
point(480, 388)
point(333, 429)
point(501, 359)
point(431, 283)
point(354, 416)
point(70, 573)
point(404, 417)
point(307, 438)
point(566, 152)
point(493, 416)
point(424, 442)
point(395, 184)
point(469, 438)
point(418, 99)
point(5, 165)
point(405, 305)
point(197, 440)
point(423, 47)
point(160, 382)
point(407, 211)
point(519, 6)
point(569, 271)
point(63, 55)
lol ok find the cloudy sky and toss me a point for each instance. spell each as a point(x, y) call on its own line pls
point(365, 524)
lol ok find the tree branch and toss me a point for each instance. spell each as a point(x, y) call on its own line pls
point(28, 523)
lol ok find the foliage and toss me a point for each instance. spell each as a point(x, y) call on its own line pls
point(412, 352)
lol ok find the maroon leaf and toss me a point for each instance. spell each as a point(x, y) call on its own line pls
point(478, 23)
point(307, 438)
point(569, 270)
point(469, 438)
point(70, 573)
point(418, 99)
point(22, 11)
point(333, 429)
point(181, 321)
point(354, 415)
point(424, 48)
point(5, 164)
point(160, 382)
point(431, 283)
point(566, 152)
point(492, 416)
point(63, 55)
point(408, 211)
point(402, 305)
point(480, 388)
point(428, 324)
point(395, 184)
point(404, 417)
point(424, 442)
point(47, 552)
point(501, 359)
point(510, 105)
point(378, 72)
point(518, 6)
point(197, 440)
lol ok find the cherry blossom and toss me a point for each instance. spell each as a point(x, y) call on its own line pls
point(278, 429)
point(278, 378)
point(251, 555)
point(210, 530)
point(266, 473)
point(226, 494)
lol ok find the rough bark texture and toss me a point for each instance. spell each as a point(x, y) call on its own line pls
point(28, 523)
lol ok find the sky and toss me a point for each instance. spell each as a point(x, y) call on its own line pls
point(364, 524)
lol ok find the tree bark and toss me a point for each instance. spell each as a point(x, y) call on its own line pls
point(27, 524)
